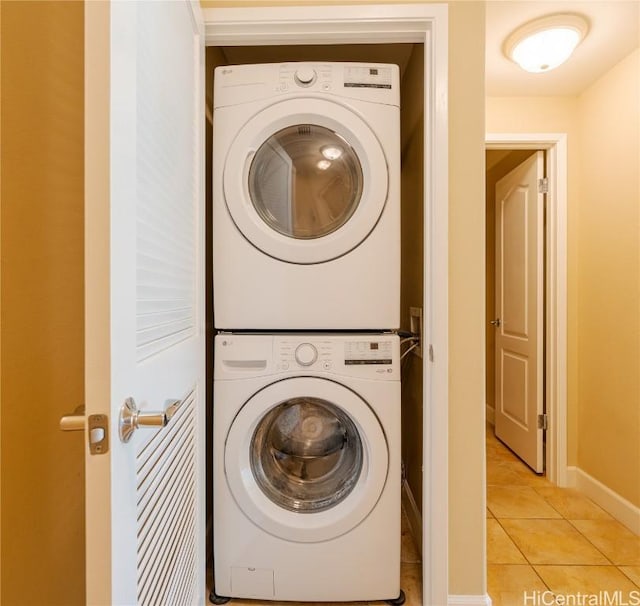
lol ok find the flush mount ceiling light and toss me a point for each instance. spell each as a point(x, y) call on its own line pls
point(544, 44)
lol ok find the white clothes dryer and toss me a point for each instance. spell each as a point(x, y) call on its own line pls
point(306, 196)
point(306, 467)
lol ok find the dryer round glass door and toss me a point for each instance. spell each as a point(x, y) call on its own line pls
point(306, 459)
point(305, 180)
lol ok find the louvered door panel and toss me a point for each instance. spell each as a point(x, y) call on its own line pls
point(166, 498)
point(166, 205)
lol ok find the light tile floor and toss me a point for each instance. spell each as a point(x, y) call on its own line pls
point(541, 538)
point(410, 579)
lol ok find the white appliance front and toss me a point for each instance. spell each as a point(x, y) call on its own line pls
point(306, 196)
point(307, 467)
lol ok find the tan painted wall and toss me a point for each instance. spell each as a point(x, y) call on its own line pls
point(603, 265)
point(466, 299)
point(41, 302)
point(608, 346)
point(553, 115)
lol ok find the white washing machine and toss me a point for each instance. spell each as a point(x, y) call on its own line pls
point(307, 467)
point(306, 196)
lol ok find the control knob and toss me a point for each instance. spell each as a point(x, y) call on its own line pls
point(305, 76)
point(306, 354)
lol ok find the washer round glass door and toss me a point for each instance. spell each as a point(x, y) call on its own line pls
point(306, 459)
point(305, 186)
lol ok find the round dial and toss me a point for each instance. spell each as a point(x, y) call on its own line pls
point(305, 76)
point(306, 354)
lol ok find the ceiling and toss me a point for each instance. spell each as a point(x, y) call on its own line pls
point(614, 32)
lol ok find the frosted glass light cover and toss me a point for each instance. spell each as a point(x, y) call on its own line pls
point(544, 44)
point(546, 50)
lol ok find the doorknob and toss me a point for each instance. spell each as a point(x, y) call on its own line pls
point(495, 322)
point(131, 418)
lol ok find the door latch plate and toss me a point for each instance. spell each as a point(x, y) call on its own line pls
point(98, 434)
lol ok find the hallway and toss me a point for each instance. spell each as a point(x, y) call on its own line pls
point(541, 538)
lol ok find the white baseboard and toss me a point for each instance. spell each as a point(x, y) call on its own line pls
point(413, 515)
point(622, 510)
point(469, 600)
point(490, 414)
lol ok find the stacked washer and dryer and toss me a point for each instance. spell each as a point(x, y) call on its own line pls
point(306, 262)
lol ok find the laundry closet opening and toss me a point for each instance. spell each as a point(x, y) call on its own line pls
point(410, 59)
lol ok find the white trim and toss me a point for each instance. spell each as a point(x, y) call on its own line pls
point(469, 600)
point(620, 508)
point(412, 512)
point(275, 25)
point(556, 286)
point(387, 23)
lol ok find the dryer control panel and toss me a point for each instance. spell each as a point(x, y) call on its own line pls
point(372, 82)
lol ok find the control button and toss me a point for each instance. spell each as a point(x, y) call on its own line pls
point(326, 365)
point(285, 366)
point(306, 354)
point(326, 86)
point(305, 76)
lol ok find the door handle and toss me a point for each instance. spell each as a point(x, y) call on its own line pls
point(131, 418)
point(495, 322)
point(97, 428)
point(73, 421)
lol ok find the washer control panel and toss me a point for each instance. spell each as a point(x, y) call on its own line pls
point(349, 354)
point(373, 356)
point(368, 352)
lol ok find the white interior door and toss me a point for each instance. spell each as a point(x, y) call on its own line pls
point(519, 310)
point(144, 266)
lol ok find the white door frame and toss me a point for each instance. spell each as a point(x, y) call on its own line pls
point(389, 23)
point(555, 144)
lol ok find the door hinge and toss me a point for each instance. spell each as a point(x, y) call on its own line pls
point(543, 185)
point(543, 422)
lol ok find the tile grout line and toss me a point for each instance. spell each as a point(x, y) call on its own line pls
point(513, 459)
point(526, 559)
point(584, 536)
